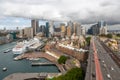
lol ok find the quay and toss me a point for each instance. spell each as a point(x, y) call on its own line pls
point(26, 76)
point(41, 64)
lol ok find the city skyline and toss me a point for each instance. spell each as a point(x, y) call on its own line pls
point(17, 13)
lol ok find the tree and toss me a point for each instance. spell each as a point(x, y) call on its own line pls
point(88, 40)
point(109, 35)
point(62, 59)
point(73, 74)
point(118, 35)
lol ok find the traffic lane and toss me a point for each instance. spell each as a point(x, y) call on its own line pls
point(97, 64)
point(107, 61)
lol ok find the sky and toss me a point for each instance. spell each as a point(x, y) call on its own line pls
point(15, 13)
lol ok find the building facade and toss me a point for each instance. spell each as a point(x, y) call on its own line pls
point(69, 31)
point(28, 32)
point(35, 26)
point(47, 29)
point(103, 30)
point(63, 30)
point(51, 28)
point(98, 28)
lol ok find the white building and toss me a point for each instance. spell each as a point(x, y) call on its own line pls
point(103, 30)
point(51, 27)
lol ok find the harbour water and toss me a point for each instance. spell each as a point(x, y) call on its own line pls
point(21, 66)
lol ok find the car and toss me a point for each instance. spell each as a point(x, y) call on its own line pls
point(108, 75)
point(93, 74)
point(103, 61)
point(112, 68)
point(104, 65)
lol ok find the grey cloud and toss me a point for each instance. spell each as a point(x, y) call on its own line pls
point(84, 11)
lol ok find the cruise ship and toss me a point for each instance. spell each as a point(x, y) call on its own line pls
point(24, 46)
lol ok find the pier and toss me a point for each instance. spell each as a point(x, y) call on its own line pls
point(42, 64)
point(25, 76)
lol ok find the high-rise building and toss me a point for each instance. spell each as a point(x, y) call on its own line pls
point(83, 31)
point(98, 28)
point(95, 29)
point(17, 28)
point(51, 28)
point(75, 25)
point(63, 30)
point(70, 24)
point(28, 32)
point(42, 29)
point(103, 30)
point(79, 29)
point(101, 24)
point(69, 32)
point(35, 26)
point(21, 33)
point(47, 29)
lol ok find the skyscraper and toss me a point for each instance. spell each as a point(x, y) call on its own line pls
point(70, 24)
point(69, 32)
point(35, 26)
point(47, 29)
point(22, 33)
point(51, 27)
point(101, 24)
point(75, 27)
point(42, 29)
point(95, 29)
point(63, 30)
point(28, 32)
point(103, 30)
point(98, 28)
point(79, 30)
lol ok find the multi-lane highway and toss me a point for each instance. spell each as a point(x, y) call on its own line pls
point(108, 68)
point(90, 73)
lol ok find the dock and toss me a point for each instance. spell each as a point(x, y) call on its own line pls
point(25, 76)
point(42, 64)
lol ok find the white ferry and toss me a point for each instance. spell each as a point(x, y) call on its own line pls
point(23, 46)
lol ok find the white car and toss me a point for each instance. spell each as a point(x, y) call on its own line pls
point(108, 75)
point(112, 68)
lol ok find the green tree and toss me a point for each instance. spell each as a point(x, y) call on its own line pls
point(62, 59)
point(118, 35)
point(73, 74)
point(109, 35)
point(88, 40)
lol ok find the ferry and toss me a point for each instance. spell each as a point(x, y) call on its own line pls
point(25, 45)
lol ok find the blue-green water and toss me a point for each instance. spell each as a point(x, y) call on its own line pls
point(6, 60)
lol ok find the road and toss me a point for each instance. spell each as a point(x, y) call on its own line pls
point(100, 63)
point(90, 73)
point(109, 69)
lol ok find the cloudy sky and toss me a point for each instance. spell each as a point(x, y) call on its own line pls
point(19, 12)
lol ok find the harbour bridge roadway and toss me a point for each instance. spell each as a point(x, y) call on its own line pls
point(109, 68)
point(90, 73)
point(97, 64)
point(105, 67)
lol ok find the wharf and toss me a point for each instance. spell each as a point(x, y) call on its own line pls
point(41, 64)
point(23, 76)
